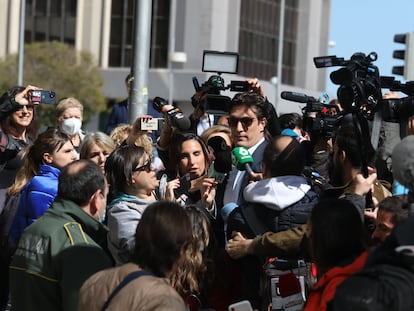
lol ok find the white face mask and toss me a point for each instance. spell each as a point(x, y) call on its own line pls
point(71, 126)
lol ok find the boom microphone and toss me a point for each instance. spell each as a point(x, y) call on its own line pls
point(242, 159)
point(178, 118)
point(297, 97)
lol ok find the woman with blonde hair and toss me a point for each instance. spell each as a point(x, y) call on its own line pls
point(69, 117)
point(121, 133)
point(96, 147)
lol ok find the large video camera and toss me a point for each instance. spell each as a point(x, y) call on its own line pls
point(359, 81)
point(319, 117)
point(397, 109)
point(218, 62)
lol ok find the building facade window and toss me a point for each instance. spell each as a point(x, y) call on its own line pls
point(50, 20)
point(259, 35)
point(122, 29)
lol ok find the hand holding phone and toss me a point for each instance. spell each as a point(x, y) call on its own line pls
point(151, 124)
point(43, 97)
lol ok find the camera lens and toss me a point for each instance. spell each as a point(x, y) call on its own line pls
point(52, 94)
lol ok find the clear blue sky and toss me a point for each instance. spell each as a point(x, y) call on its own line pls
point(369, 26)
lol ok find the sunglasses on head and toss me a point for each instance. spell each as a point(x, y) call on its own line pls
point(245, 121)
point(146, 167)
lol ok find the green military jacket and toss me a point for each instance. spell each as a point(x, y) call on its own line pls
point(55, 255)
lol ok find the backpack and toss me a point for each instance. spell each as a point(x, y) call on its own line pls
point(8, 211)
point(387, 280)
point(378, 287)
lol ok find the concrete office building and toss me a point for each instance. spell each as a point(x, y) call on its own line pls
point(250, 27)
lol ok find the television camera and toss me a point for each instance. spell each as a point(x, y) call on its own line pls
point(360, 87)
point(318, 116)
point(397, 109)
point(358, 79)
point(218, 62)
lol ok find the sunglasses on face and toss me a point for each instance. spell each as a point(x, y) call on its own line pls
point(246, 121)
point(146, 167)
point(28, 107)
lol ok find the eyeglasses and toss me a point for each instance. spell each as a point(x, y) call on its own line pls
point(246, 121)
point(28, 107)
point(146, 167)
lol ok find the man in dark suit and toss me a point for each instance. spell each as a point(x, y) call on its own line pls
point(248, 117)
point(119, 113)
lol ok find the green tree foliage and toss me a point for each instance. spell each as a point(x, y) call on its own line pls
point(58, 67)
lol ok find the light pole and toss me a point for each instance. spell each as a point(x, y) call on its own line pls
point(138, 97)
point(21, 43)
point(280, 52)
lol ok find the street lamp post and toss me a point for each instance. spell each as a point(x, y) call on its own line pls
point(21, 43)
point(280, 52)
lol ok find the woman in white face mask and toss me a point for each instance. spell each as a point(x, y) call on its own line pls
point(69, 115)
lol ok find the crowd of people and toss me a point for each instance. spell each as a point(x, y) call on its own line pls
point(115, 220)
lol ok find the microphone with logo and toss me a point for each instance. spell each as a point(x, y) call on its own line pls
point(177, 117)
point(242, 160)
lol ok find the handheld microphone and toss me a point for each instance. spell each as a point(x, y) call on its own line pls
point(220, 167)
point(178, 118)
point(242, 159)
point(297, 97)
point(218, 144)
point(196, 84)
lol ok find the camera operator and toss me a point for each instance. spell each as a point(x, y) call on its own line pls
point(200, 120)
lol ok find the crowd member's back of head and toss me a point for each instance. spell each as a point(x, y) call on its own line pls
point(163, 235)
point(291, 124)
point(79, 180)
point(283, 156)
point(194, 273)
point(347, 140)
point(335, 234)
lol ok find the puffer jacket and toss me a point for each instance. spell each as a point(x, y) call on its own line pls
point(143, 293)
point(274, 204)
point(124, 213)
point(35, 199)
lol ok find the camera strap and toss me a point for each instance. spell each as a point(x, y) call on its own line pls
point(376, 127)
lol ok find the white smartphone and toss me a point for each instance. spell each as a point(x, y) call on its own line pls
point(150, 124)
point(243, 305)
